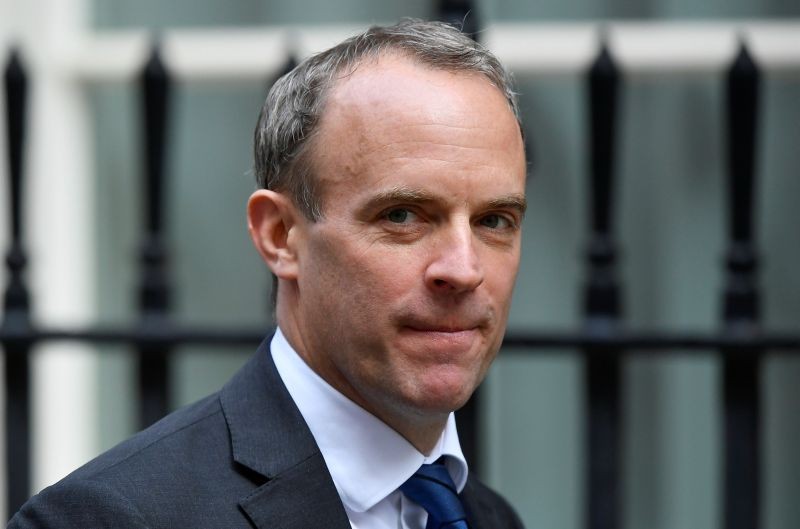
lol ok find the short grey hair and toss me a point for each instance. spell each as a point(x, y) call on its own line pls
point(295, 103)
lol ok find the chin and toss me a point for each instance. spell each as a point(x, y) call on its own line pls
point(445, 393)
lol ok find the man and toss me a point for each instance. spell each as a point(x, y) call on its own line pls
point(392, 175)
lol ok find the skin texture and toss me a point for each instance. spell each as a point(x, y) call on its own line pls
point(399, 296)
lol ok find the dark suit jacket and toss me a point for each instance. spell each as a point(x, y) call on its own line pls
point(243, 457)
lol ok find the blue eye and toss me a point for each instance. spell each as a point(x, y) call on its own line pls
point(398, 216)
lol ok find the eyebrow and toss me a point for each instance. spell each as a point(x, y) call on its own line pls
point(518, 202)
point(399, 194)
point(417, 196)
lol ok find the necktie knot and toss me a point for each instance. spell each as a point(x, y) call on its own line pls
point(432, 488)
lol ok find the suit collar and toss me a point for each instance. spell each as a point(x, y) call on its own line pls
point(478, 507)
point(270, 437)
point(259, 410)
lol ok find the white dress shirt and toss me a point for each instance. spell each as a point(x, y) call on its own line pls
point(367, 459)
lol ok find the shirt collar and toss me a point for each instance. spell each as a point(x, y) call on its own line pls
point(367, 459)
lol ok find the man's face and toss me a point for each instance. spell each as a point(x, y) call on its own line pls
point(404, 285)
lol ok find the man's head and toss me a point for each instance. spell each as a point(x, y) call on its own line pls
point(289, 119)
point(398, 248)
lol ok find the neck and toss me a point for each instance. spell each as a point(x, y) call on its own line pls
point(423, 435)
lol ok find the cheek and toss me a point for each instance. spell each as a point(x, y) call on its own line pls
point(352, 281)
point(371, 270)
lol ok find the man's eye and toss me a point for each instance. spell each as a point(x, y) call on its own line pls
point(496, 222)
point(399, 215)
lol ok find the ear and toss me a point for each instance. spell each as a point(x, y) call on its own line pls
point(271, 217)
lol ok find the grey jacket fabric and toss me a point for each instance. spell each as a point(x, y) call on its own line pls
point(242, 457)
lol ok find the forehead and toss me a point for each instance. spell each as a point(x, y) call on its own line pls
point(392, 115)
point(393, 86)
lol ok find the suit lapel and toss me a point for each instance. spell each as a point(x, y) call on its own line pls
point(297, 499)
point(478, 512)
point(270, 437)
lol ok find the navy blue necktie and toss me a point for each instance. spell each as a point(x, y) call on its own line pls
point(432, 488)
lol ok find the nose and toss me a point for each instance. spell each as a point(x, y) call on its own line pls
point(456, 266)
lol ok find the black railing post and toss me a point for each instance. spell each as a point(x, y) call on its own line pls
point(602, 305)
point(154, 286)
point(16, 302)
point(741, 369)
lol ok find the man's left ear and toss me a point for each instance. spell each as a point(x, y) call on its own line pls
point(271, 217)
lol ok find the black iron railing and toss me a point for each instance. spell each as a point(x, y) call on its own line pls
point(603, 304)
point(740, 304)
point(16, 303)
point(154, 289)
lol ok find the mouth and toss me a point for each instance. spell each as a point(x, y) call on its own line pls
point(441, 329)
point(450, 339)
point(445, 335)
point(449, 335)
point(443, 325)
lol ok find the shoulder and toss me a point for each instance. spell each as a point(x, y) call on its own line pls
point(156, 445)
point(81, 504)
point(125, 486)
point(481, 502)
